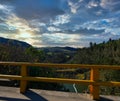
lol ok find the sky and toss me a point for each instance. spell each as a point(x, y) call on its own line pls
point(50, 23)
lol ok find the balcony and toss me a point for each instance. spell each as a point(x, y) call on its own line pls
point(93, 83)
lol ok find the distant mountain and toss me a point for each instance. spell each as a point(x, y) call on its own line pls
point(13, 42)
point(58, 54)
point(58, 49)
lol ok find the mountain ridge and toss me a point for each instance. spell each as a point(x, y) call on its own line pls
point(58, 49)
point(14, 42)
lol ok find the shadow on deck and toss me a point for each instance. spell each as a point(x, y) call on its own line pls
point(30, 96)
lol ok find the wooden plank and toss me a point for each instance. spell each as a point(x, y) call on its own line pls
point(61, 65)
point(60, 80)
point(23, 83)
point(4, 80)
point(45, 79)
point(94, 89)
point(12, 77)
point(109, 83)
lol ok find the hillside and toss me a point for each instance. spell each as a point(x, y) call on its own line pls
point(58, 54)
point(58, 49)
point(5, 41)
point(103, 53)
point(14, 50)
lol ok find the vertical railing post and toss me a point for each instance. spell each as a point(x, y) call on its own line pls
point(94, 89)
point(23, 83)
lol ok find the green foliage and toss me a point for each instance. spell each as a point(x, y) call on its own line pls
point(34, 54)
point(26, 54)
point(105, 53)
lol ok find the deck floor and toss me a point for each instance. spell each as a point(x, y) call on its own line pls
point(12, 94)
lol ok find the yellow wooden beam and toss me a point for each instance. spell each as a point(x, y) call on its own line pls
point(60, 80)
point(61, 65)
point(66, 70)
point(11, 77)
point(94, 89)
point(45, 79)
point(23, 83)
point(109, 83)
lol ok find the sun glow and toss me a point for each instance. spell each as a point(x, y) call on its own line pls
point(25, 35)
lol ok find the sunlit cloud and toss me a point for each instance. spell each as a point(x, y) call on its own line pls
point(6, 9)
point(24, 32)
point(61, 19)
point(74, 5)
point(92, 4)
point(18, 23)
point(53, 29)
point(60, 39)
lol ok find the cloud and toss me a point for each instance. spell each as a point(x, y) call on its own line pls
point(57, 39)
point(53, 29)
point(42, 9)
point(60, 22)
point(86, 31)
point(6, 29)
point(11, 26)
point(6, 9)
point(25, 32)
point(105, 24)
point(6, 12)
point(74, 5)
point(93, 3)
point(111, 5)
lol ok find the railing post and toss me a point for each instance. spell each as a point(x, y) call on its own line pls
point(23, 83)
point(94, 89)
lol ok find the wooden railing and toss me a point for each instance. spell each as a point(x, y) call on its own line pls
point(94, 81)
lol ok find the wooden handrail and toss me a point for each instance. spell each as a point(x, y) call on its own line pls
point(61, 65)
point(93, 82)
